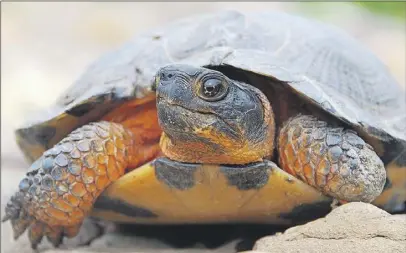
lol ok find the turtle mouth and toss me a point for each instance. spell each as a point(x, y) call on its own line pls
point(177, 118)
point(160, 99)
point(174, 117)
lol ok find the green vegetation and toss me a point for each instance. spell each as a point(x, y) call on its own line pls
point(394, 9)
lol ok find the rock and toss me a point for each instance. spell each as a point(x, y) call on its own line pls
point(350, 228)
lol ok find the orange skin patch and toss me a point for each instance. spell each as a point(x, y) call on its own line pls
point(232, 152)
point(140, 117)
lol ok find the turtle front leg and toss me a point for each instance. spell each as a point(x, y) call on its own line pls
point(60, 188)
point(335, 161)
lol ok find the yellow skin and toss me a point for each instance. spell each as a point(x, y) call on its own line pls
point(207, 119)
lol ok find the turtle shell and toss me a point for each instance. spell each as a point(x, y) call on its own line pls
point(320, 63)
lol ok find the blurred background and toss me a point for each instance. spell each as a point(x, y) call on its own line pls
point(46, 46)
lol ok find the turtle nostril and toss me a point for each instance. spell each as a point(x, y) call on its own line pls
point(166, 76)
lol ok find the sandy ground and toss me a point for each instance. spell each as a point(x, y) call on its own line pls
point(46, 46)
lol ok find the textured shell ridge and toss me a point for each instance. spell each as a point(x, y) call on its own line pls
point(317, 60)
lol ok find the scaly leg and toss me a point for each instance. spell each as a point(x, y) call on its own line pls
point(335, 161)
point(60, 188)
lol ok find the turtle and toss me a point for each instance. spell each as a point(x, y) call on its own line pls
point(249, 117)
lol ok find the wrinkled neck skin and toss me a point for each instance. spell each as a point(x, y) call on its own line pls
point(239, 128)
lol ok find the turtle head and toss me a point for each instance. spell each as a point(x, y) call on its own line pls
point(208, 118)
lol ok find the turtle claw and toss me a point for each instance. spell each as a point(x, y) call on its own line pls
point(19, 218)
point(13, 208)
point(37, 230)
point(21, 221)
point(35, 234)
point(54, 236)
point(7, 217)
point(19, 226)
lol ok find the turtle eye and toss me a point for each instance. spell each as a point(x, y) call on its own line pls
point(213, 89)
